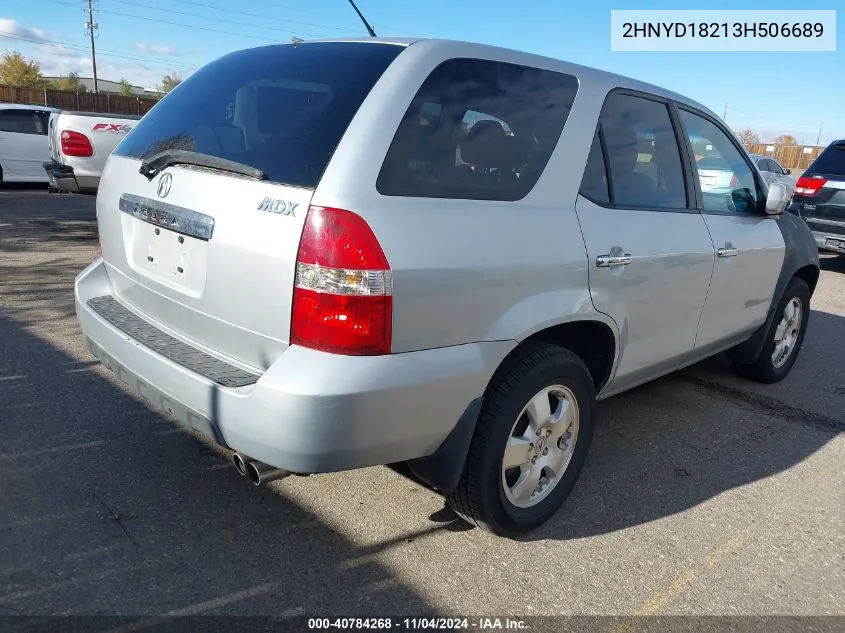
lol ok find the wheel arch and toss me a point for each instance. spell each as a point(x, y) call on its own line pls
point(594, 341)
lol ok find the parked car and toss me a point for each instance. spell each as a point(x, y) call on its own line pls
point(295, 265)
point(23, 142)
point(79, 144)
point(772, 170)
point(715, 175)
point(820, 197)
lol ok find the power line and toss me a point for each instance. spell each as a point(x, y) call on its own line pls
point(102, 52)
point(204, 17)
point(182, 24)
point(263, 17)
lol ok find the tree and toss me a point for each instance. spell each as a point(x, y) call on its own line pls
point(748, 136)
point(71, 82)
point(169, 82)
point(786, 139)
point(126, 88)
point(16, 70)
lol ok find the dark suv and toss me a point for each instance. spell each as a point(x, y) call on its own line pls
point(820, 197)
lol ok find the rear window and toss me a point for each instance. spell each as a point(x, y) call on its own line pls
point(478, 129)
point(281, 109)
point(830, 161)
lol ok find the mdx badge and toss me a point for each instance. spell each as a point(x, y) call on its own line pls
point(275, 205)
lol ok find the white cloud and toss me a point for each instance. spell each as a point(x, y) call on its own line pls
point(137, 73)
point(156, 49)
point(10, 29)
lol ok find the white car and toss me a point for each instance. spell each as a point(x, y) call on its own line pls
point(23, 142)
point(773, 171)
point(715, 175)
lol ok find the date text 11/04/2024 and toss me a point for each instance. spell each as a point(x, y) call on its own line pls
point(417, 624)
point(722, 29)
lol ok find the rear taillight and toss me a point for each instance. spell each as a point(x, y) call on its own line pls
point(734, 182)
point(76, 144)
point(809, 186)
point(342, 297)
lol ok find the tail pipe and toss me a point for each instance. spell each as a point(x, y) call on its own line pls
point(239, 461)
point(260, 474)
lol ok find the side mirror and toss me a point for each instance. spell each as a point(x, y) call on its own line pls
point(778, 198)
point(787, 171)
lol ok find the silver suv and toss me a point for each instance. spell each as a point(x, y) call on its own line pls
point(434, 255)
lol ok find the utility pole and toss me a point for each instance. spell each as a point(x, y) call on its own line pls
point(725, 112)
point(360, 15)
point(90, 26)
point(819, 138)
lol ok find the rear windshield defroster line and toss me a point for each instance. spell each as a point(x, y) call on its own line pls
point(280, 109)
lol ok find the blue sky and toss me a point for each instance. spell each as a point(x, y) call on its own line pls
point(144, 39)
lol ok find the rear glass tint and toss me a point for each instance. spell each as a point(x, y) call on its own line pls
point(831, 161)
point(478, 129)
point(281, 109)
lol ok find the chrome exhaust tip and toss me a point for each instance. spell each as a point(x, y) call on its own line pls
point(239, 463)
point(260, 474)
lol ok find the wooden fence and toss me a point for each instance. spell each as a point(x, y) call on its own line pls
point(794, 157)
point(79, 101)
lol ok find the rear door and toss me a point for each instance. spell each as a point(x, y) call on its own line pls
point(749, 244)
point(650, 255)
point(209, 254)
point(23, 144)
point(820, 196)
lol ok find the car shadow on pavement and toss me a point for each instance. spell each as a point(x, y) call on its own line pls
point(673, 444)
point(107, 507)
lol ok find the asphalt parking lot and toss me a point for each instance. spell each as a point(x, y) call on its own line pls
point(703, 494)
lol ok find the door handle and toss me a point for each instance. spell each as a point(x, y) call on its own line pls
point(727, 252)
point(604, 261)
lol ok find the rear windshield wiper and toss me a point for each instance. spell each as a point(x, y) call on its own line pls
point(156, 163)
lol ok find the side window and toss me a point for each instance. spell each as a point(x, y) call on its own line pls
point(20, 121)
point(763, 164)
point(41, 121)
point(478, 130)
point(594, 182)
point(642, 154)
point(727, 182)
point(776, 167)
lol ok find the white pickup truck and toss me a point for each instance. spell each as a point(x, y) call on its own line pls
point(80, 143)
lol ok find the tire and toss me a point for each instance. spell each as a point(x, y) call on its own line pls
point(487, 494)
point(766, 369)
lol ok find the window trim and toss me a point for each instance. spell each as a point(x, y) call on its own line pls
point(597, 134)
point(761, 202)
point(688, 184)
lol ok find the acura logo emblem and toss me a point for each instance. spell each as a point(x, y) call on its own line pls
point(164, 185)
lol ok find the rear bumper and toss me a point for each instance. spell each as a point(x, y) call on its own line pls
point(830, 242)
point(64, 178)
point(309, 411)
point(60, 177)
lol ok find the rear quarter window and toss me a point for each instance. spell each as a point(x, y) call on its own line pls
point(831, 161)
point(478, 129)
point(281, 109)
